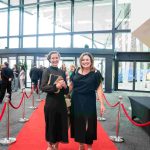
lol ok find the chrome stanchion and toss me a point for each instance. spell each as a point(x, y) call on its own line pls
point(23, 119)
point(117, 138)
point(7, 140)
point(38, 86)
point(33, 107)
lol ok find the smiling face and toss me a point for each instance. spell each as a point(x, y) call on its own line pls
point(86, 62)
point(54, 59)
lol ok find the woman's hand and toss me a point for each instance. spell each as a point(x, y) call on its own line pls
point(102, 109)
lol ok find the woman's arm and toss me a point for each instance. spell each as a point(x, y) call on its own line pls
point(101, 98)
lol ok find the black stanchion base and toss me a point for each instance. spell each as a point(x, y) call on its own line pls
point(7, 141)
point(116, 139)
point(101, 119)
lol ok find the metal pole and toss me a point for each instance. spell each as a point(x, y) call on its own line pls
point(23, 119)
point(33, 107)
point(117, 138)
point(7, 140)
point(38, 86)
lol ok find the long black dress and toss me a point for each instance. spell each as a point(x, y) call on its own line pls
point(55, 109)
point(83, 106)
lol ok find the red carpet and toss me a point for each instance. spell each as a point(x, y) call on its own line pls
point(32, 136)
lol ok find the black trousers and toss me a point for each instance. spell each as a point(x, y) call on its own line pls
point(5, 86)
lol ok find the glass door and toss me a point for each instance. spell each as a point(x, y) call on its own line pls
point(42, 61)
point(126, 75)
point(142, 76)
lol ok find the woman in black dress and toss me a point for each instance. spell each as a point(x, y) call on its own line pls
point(55, 110)
point(86, 81)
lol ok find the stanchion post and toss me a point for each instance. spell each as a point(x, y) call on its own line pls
point(7, 140)
point(38, 86)
point(23, 119)
point(33, 107)
point(117, 138)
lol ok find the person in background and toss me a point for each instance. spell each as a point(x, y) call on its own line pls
point(15, 79)
point(34, 75)
point(86, 81)
point(7, 77)
point(22, 78)
point(55, 85)
point(40, 75)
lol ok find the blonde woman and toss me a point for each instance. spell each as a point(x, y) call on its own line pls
point(86, 81)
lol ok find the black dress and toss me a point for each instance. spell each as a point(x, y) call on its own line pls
point(83, 106)
point(55, 109)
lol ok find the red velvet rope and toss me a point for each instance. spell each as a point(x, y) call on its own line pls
point(31, 92)
point(2, 113)
point(16, 107)
point(109, 103)
point(133, 122)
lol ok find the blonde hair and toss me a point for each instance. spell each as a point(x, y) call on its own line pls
point(52, 52)
point(92, 68)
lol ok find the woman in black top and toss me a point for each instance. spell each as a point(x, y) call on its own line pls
point(86, 81)
point(55, 110)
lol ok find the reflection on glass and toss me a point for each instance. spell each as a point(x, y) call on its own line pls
point(102, 41)
point(14, 13)
point(125, 75)
point(14, 2)
point(46, 15)
point(127, 43)
point(3, 24)
point(14, 43)
point(63, 17)
point(45, 41)
point(83, 16)
point(3, 43)
point(82, 41)
point(62, 41)
point(29, 1)
point(29, 42)
point(12, 61)
point(102, 15)
point(142, 76)
point(123, 14)
point(30, 15)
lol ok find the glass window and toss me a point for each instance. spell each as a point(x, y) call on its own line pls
point(102, 40)
point(30, 16)
point(102, 15)
point(12, 61)
point(3, 3)
point(29, 42)
point(14, 21)
point(13, 42)
point(126, 42)
point(29, 1)
point(63, 17)
point(14, 2)
point(123, 14)
point(82, 41)
point(45, 41)
point(83, 16)
point(3, 43)
point(62, 41)
point(46, 15)
point(3, 24)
